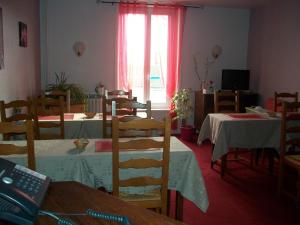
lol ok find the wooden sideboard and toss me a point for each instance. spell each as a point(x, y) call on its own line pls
point(204, 104)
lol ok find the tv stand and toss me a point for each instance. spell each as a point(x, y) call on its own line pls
point(204, 104)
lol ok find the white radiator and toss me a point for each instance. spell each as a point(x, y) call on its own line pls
point(94, 103)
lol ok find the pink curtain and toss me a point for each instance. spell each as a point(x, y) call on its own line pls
point(123, 81)
point(176, 16)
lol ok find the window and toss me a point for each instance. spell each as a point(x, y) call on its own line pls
point(148, 51)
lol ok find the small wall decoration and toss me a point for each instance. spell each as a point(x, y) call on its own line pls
point(22, 34)
point(1, 42)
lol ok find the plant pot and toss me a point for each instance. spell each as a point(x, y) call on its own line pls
point(187, 133)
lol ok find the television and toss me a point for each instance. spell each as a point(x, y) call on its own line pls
point(235, 79)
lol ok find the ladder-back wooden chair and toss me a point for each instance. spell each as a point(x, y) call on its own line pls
point(283, 96)
point(226, 101)
point(119, 94)
point(154, 199)
point(28, 149)
point(17, 110)
point(290, 148)
point(66, 97)
point(45, 107)
point(141, 108)
point(121, 110)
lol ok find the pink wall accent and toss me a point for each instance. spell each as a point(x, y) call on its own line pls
point(20, 77)
point(274, 47)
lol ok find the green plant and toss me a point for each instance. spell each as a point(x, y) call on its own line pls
point(77, 94)
point(183, 105)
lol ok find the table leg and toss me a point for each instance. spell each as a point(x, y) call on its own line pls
point(179, 206)
point(168, 202)
point(212, 150)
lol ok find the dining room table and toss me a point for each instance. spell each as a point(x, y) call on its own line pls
point(240, 130)
point(92, 166)
point(79, 125)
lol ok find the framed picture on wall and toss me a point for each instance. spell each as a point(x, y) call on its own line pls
point(22, 34)
point(1, 41)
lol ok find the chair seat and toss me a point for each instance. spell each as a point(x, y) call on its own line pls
point(293, 160)
point(150, 195)
point(151, 199)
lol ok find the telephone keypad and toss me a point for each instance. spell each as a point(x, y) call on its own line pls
point(27, 182)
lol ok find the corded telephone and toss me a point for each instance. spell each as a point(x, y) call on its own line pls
point(21, 193)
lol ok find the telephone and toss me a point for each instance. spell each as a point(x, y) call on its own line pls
point(21, 193)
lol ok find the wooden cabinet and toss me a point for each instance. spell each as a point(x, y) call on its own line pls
point(204, 104)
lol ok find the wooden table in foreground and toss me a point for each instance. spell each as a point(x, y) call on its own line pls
point(72, 196)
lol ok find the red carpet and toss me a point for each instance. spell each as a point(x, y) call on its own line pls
point(244, 196)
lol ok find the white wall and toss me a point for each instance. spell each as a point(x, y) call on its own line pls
point(206, 28)
point(68, 21)
point(20, 77)
point(274, 48)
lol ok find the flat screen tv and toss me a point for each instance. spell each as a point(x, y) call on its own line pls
point(235, 79)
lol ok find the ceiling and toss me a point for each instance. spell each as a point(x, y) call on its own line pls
point(221, 3)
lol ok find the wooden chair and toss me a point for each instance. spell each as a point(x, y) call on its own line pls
point(155, 199)
point(280, 97)
point(9, 149)
point(17, 110)
point(66, 96)
point(289, 146)
point(226, 101)
point(123, 107)
point(49, 107)
point(119, 94)
point(135, 132)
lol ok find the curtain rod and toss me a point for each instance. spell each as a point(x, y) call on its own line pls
point(150, 4)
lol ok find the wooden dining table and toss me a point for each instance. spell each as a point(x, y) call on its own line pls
point(72, 197)
point(62, 161)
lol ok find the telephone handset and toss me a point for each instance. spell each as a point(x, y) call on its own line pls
point(21, 193)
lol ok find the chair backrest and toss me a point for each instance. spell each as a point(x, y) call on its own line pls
point(137, 144)
point(119, 93)
point(16, 110)
point(9, 149)
point(121, 109)
point(49, 107)
point(226, 101)
point(136, 107)
point(283, 96)
point(136, 132)
point(66, 97)
point(290, 128)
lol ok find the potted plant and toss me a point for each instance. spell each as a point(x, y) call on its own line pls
point(77, 95)
point(182, 103)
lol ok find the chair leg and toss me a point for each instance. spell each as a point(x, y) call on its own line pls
point(223, 165)
point(280, 179)
point(258, 154)
point(271, 156)
point(298, 191)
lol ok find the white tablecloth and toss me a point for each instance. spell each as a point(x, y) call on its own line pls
point(81, 127)
point(225, 131)
point(60, 160)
